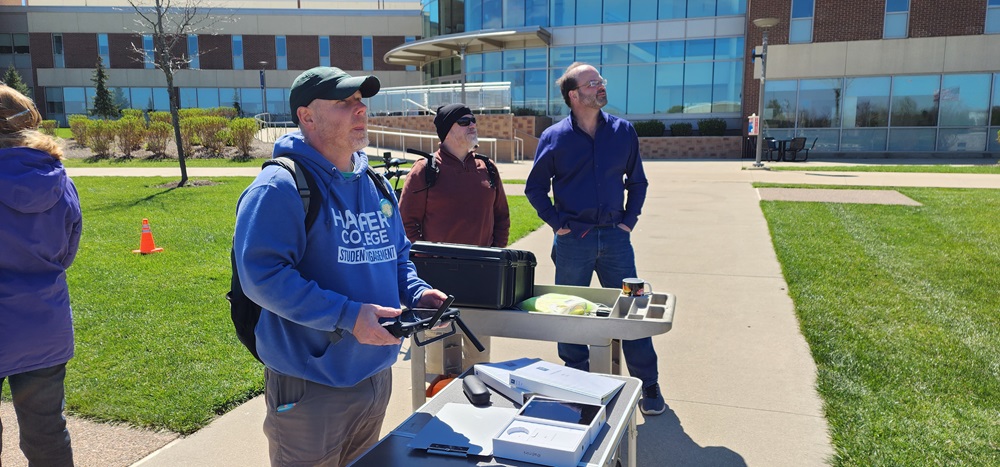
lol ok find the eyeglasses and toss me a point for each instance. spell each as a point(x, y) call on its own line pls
point(466, 121)
point(593, 83)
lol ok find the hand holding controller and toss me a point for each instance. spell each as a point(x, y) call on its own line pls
point(419, 319)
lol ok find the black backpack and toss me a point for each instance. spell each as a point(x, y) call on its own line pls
point(432, 171)
point(243, 311)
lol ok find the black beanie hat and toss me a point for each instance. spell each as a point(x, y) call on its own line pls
point(447, 115)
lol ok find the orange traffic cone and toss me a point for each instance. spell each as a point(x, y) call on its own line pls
point(146, 244)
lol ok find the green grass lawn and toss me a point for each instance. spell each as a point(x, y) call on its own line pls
point(154, 343)
point(958, 169)
point(901, 311)
point(144, 163)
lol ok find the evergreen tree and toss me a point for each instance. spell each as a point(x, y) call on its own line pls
point(13, 79)
point(104, 102)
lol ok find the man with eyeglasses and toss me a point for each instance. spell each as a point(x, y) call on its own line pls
point(591, 161)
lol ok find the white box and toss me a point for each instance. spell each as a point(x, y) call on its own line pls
point(562, 382)
point(551, 432)
point(497, 376)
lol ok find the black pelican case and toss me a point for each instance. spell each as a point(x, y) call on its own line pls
point(479, 277)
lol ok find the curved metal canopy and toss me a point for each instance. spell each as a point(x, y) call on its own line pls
point(421, 52)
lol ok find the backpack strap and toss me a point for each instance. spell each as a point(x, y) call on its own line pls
point(304, 182)
point(491, 170)
point(380, 183)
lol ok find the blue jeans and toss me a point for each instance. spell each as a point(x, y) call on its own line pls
point(39, 399)
point(607, 250)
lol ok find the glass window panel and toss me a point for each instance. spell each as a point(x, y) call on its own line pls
point(643, 52)
point(75, 101)
point(672, 9)
point(963, 139)
point(993, 2)
point(992, 20)
point(616, 11)
point(895, 25)
point(281, 52)
point(728, 47)
point(22, 61)
point(57, 44)
point(727, 85)
point(208, 98)
point(802, 8)
point(697, 88)
point(142, 98)
point(473, 16)
point(670, 51)
point(102, 49)
point(617, 77)
point(964, 100)
point(432, 19)
point(643, 10)
point(193, 52)
point(534, 58)
point(473, 63)
point(700, 8)
point(826, 140)
point(237, 52)
point(780, 102)
point(54, 100)
point(251, 101)
point(731, 7)
point(535, 86)
point(492, 14)
point(367, 54)
point(161, 99)
point(866, 102)
point(819, 103)
point(588, 12)
point(800, 30)
point(994, 145)
point(7, 44)
point(277, 103)
point(516, 80)
point(561, 57)
point(148, 51)
point(228, 97)
point(513, 13)
point(557, 105)
point(640, 80)
point(897, 5)
point(589, 54)
point(995, 110)
point(669, 93)
point(912, 139)
point(513, 59)
point(21, 44)
point(779, 134)
point(563, 12)
point(494, 77)
point(615, 54)
point(90, 93)
point(324, 50)
point(121, 98)
point(536, 13)
point(492, 61)
point(863, 140)
point(914, 101)
point(189, 98)
point(701, 49)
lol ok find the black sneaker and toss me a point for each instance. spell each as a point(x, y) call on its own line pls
point(652, 402)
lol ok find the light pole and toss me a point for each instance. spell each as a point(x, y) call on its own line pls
point(764, 24)
point(263, 85)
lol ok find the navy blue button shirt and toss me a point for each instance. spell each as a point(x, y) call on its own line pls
point(589, 177)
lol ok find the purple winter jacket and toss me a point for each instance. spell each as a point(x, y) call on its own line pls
point(40, 224)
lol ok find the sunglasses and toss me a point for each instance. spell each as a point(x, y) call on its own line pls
point(593, 83)
point(466, 121)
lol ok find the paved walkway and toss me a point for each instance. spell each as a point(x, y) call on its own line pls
point(736, 372)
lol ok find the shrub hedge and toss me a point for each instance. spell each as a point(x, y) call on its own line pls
point(681, 129)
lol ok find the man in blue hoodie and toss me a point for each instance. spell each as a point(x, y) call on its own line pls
point(591, 161)
point(327, 358)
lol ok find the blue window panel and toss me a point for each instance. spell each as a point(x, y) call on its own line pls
point(700, 49)
point(588, 12)
point(281, 52)
point(641, 79)
point(892, 6)
point(589, 54)
point(912, 139)
point(819, 103)
point(557, 104)
point(277, 101)
point(857, 140)
point(727, 83)
point(238, 53)
point(697, 87)
point(670, 51)
point(513, 59)
point(617, 77)
point(669, 91)
point(616, 11)
point(473, 16)
point(534, 58)
point(780, 103)
point(76, 101)
point(995, 110)
point(993, 3)
point(148, 51)
point(561, 57)
point(535, 85)
point(700, 8)
point(728, 48)
point(161, 99)
point(367, 54)
point(192, 46)
point(964, 100)
point(914, 101)
point(189, 98)
point(493, 61)
point(324, 51)
point(994, 145)
point(802, 8)
point(672, 9)
point(615, 54)
point(562, 12)
point(252, 101)
point(800, 30)
point(643, 52)
point(513, 13)
point(227, 97)
point(731, 7)
point(993, 18)
point(963, 139)
point(643, 10)
point(474, 63)
point(102, 49)
point(208, 97)
point(536, 13)
point(492, 14)
point(142, 98)
point(895, 25)
point(866, 102)
point(516, 80)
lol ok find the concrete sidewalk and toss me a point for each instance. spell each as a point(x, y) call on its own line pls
point(736, 372)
